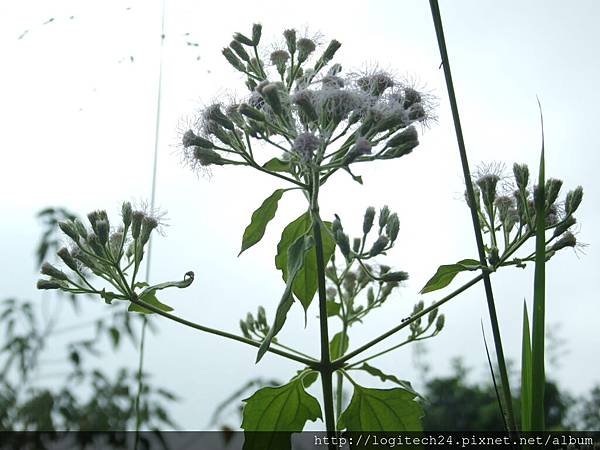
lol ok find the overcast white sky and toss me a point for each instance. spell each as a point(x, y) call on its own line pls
point(78, 127)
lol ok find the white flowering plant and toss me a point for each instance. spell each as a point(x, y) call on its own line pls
point(320, 123)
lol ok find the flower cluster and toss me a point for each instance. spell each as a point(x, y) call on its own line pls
point(506, 207)
point(301, 104)
point(109, 253)
point(256, 328)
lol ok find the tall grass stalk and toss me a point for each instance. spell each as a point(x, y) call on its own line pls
point(507, 397)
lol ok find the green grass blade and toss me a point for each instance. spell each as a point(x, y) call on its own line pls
point(539, 303)
point(526, 380)
point(503, 411)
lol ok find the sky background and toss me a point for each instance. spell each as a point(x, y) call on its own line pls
point(78, 103)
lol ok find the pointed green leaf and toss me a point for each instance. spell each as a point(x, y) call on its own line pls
point(446, 273)
point(385, 377)
point(295, 260)
point(260, 219)
point(277, 412)
point(382, 410)
point(277, 165)
point(338, 345)
point(308, 376)
point(526, 377)
point(306, 284)
point(538, 375)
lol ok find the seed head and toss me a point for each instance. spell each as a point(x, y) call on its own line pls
point(376, 84)
point(305, 101)
point(190, 139)
point(567, 240)
point(279, 58)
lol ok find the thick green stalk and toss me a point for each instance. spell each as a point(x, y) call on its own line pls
point(325, 366)
point(507, 397)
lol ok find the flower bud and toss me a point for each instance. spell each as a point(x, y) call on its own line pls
point(330, 51)
point(553, 186)
point(384, 214)
point(148, 224)
point(270, 93)
point(356, 245)
point(190, 139)
point(305, 48)
point(487, 184)
point(331, 292)
point(80, 228)
point(279, 58)
point(239, 49)
point(250, 322)
point(376, 84)
point(370, 296)
point(394, 276)
point(379, 245)
point(368, 219)
point(51, 271)
point(393, 227)
point(244, 329)
point(406, 136)
point(261, 317)
point(521, 173)
point(67, 258)
point(243, 39)
point(214, 113)
point(567, 240)
point(233, 60)
point(439, 324)
point(573, 200)
point(336, 225)
point(136, 223)
point(207, 157)
point(411, 97)
point(69, 230)
point(251, 112)
point(126, 212)
point(432, 315)
point(94, 243)
point(290, 40)
point(103, 230)
point(304, 100)
point(564, 226)
point(49, 284)
point(494, 257)
point(256, 33)
point(343, 243)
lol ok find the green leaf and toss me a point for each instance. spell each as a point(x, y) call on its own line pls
point(277, 165)
point(385, 377)
point(188, 278)
point(277, 412)
point(308, 376)
point(333, 308)
point(338, 345)
point(295, 260)
point(260, 219)
point(387, 410)
point(306, 284)
point(526, 376)
point(151, 300)
point(446, 273)
point(538, 374)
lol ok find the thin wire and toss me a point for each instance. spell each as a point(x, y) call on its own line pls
point(152, 205)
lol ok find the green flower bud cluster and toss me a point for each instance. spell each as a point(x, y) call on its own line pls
point(509, 219)
point(255, 328)
point(418, 329)
point(108, 253)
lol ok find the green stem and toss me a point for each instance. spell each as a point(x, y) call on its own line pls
point(138, 421)
point(308, 362)
point(325, 367)
point(340, 361)
point(437, 20)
